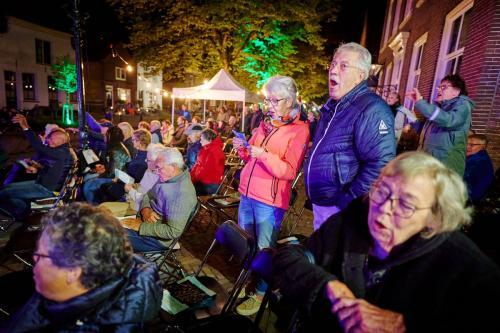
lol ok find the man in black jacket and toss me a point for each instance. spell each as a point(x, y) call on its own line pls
point(86, 277)
point(55, 162)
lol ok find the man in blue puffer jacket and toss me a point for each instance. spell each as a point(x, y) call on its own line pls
point(354, 138)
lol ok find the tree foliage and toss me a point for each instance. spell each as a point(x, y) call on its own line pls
point(65, 74)
point(250, 39)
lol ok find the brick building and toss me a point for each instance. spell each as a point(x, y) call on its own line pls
point(424, 40)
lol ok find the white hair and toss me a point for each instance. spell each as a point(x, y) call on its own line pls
point(285, 87)
point(154, 149)
point(126, 128)
point(172, 156)
point(154, 125)
point(364, 61)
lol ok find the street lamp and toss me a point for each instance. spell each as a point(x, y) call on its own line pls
point(115, 54)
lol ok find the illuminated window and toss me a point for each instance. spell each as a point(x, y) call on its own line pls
point(120, 73)
point(52, 89)
point(28, 86)
point(415, 67)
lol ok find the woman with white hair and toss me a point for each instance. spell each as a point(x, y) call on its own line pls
point(274, 156)
point(398, 264)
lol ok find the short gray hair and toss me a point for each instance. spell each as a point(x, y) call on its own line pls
point(154, 149)
point(364, 61)
point(449, 208)
point(285, 87)
point(172, 156)
point(154, 125)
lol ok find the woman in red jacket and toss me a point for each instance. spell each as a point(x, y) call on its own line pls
point(276, 151)
point(207, 173)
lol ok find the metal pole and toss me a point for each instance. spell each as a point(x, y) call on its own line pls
point(80, 88)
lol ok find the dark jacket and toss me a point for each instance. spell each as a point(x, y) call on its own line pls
point(124, 304)
point(192, 151)
point(441, 284)
point(478, 174)
point(56, 162)
point(444, 134)
point(354, 139)
point(116, 159)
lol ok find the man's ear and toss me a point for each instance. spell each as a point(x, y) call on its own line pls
point(73, 275)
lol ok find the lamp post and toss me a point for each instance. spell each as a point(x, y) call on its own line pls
point(80, 93)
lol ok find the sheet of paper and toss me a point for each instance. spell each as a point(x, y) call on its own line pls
point(124, 177)
point(90, 156)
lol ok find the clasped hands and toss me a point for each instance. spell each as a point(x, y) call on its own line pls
point(148, 216)
point(357, 315)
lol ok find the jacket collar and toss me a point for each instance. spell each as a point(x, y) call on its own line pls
point(361, 88)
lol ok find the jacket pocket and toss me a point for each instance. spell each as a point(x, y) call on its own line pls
point(347, 167)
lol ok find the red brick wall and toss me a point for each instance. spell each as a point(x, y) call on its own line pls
point(481, 70)
point(480, 66)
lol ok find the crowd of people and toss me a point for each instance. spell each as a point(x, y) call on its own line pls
point(387, 253)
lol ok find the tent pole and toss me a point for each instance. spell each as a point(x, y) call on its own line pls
point(173, 106)
point(204, 110)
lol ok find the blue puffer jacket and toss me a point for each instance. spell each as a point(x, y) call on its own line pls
point(354, 139)
point(124, 304)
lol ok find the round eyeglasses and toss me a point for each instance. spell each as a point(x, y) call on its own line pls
point(379, 194)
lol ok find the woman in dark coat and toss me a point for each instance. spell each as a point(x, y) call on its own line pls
point(400, 266)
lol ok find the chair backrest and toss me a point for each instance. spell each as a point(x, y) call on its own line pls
point(242, 247)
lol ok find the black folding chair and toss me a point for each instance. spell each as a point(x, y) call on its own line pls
point(169, 267)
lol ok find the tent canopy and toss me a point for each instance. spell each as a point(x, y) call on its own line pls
point(221, 87)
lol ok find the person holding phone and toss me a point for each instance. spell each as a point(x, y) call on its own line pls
point(274, 155)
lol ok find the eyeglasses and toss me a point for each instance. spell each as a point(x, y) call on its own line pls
point(380, 193)
point(444, 86)
point(273, 101)
point(37, 256)
point(342, 65)
point(475, 144)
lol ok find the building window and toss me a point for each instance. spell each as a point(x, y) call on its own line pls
point(42, 49)
point(388, 25)
point(387, 80)
point(453, 42)
point(415, 67)
point(109, 96)
point(396, 17)
point(52, 88)
point(10, 89)
point(120, 73)
point(123, 95)
point(28, 86)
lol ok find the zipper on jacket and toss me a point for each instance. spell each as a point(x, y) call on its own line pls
point(314, 150)
point(264, 142)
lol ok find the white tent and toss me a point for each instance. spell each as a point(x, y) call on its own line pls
point(221, 87)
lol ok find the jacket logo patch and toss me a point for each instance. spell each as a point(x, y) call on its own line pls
point(382, 128)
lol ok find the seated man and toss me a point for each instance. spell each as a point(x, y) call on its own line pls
point(135, 192)
point(166, 207)
point(86, 277)
point(478, 173)
point(56, 161)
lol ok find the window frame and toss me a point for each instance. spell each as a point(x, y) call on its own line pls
point(120, 74)
point(418, 48)
point(29, 88)
point(444, 56)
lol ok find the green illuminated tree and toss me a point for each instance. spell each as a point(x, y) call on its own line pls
point(65, 78)
point(250, 39)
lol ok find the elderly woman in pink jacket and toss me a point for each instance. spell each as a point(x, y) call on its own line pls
point(275, 153)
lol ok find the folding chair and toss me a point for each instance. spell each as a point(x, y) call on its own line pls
point(242, 248)
point(169, 267)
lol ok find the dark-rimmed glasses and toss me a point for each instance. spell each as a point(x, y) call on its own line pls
point(380, 193)
point(272, 101)
point(37, 256)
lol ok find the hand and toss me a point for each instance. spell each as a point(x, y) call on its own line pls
point(134, 224)
point(149, 215)
point(128, 187)
point(357, 315)
point(336, 290)
point(414, 95)
point(21, 120)
point(31, 169)
point(256, 151)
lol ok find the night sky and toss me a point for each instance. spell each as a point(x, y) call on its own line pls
point(103, 28)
